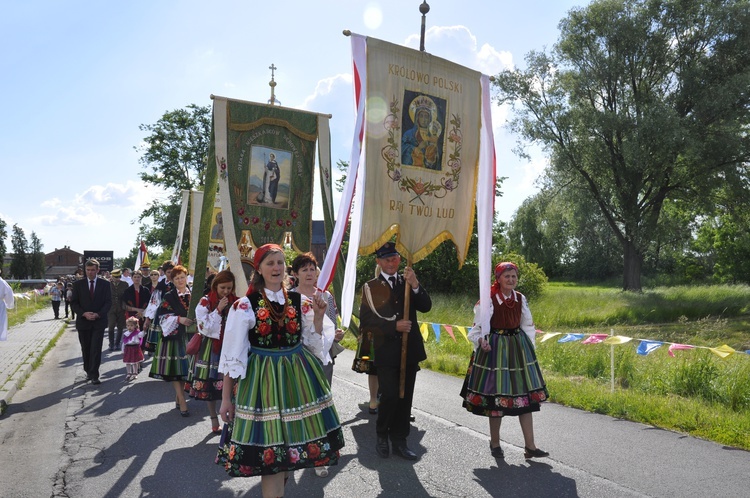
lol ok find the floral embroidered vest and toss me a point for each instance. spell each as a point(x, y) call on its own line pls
point(269, 333)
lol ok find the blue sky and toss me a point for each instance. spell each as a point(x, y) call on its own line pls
point(79, 77)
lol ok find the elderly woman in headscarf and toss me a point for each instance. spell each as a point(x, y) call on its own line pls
point(504, 378)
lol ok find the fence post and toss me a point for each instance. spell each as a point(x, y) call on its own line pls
point(612, 362)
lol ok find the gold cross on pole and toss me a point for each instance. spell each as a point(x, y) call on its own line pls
point(272, 84)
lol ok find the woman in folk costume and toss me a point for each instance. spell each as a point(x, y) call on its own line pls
point(170, 359)
point(211, 315)
point(275, 394)
point(157, 288)
point(504, 378)
point(305, 271)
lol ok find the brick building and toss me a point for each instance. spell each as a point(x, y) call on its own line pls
point(62, 262)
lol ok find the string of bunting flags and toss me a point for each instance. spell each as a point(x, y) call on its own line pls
point(645, 346)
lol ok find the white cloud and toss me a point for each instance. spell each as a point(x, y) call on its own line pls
point(458, 44)
point(491, 61)
point(88, 208)
point(336, 84)
point(104, 195)
point(70, 216)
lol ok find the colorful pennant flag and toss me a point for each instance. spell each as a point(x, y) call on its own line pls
point(436, 329)
point(646, 346)
point(449, 329)
point(570, 338)
point(722, 351)
point(595, 338)
point(549, 335)
point(673, 347)
point(617, 339)
point(424, 331)
point(462, 331)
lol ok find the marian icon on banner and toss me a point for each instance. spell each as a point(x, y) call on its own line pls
point(423, 138)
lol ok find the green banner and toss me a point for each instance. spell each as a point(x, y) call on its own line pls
point(270, 167)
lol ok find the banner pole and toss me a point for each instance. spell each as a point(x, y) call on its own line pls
point(404, 336)
point(612, 363)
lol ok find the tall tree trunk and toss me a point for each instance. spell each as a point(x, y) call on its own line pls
point(631, 279)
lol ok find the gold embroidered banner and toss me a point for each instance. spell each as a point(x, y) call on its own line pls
point(269, 170)
point(421, 151)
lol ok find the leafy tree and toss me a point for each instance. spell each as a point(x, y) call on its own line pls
point(174, 155)
point(531, 278)
point(672, 242)
point(639, 103)
point(563, 232)
point(540, 232)
point(129, 260)
point(19, 267)
point(36, 257)
point(721, 250)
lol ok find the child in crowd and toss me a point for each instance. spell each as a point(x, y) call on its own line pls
point(132, 355)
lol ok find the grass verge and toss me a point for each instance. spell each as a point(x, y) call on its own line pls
point(696, 392)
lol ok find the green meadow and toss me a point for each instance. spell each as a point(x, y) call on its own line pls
point(695, 392)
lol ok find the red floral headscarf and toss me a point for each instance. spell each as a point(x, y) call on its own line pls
point(260, 253)
point(501, 268)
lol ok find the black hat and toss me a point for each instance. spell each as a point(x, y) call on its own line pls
point(387, 249)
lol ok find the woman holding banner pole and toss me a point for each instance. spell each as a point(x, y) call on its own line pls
point(504, 378)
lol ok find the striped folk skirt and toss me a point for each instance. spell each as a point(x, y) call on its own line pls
point(206, 382)
point(152, 336)
point(284, 416)
point(170, 359)
point(506, 380)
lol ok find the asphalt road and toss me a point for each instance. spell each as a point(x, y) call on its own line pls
point(63, 437)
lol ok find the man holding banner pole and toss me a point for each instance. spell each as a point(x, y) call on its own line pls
point(385, 312)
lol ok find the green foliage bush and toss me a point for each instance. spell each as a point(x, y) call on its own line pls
point(531, 278)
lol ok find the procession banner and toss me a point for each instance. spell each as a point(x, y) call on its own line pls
point(422, 155)
point(262, 158)
point(196, 204)
point(422, 162)
point(266, 172)
point(181, 227)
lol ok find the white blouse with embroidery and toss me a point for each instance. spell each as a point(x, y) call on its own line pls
point(170, 321)
point(527, 323)
point(241, 319)
point(153, 305)
point(209, 322)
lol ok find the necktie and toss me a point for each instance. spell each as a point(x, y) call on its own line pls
point(91, 288)
point(392, 280)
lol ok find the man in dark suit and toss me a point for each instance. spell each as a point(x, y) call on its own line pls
point(92, 298)
point(382, 313)
point(116, 315)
